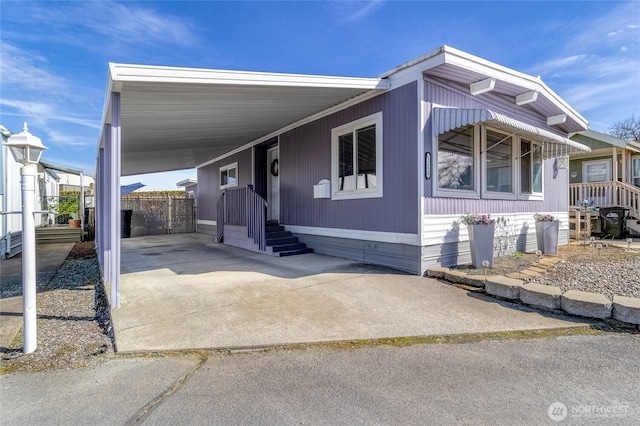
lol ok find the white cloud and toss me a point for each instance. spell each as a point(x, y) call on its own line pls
point(596, 69)
point(43, 112)
point(123, 24)
point(67, 139)
point(27, 70)
point(349, 11)
point(553, 65)
point(26, 109)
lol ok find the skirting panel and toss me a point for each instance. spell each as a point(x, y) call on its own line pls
point(398, 256)
point(207, 229)
point(457, 253)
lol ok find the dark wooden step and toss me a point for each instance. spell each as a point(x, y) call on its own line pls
point(281, 240)
point(277, 234)
point(274, 228)
point(294, 252)
point(287, 247)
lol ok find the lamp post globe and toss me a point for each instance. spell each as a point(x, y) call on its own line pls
point(26, 150)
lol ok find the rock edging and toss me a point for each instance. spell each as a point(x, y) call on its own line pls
point(573, 302)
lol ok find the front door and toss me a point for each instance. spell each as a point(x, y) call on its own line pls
point(273, 184)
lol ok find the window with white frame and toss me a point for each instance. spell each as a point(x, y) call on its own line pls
point(499, 164)
point(509, 167)
point(356, 159)
point(635, 171)
point(530, 168)
point(457, 161)
point(596, 171)
point(229, 175)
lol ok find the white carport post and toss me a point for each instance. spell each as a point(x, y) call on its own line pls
point(109, 197)
point(98, 203)
point(114, 155)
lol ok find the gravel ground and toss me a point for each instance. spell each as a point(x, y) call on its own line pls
point(608, 271)
point(74, 327)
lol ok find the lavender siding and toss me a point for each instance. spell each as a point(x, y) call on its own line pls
point(209, 182)
point(305, 159)
point(555, 187)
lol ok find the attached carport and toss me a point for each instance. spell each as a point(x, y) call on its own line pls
point(163, 118)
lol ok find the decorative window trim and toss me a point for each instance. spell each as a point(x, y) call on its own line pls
point(336, 193)
point(631, 171)
point(226, 169)
point(532, 196)
point(484, 192)
point(458, 193)
point(480, 171)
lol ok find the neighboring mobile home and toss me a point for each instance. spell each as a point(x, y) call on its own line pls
point(374, 169)
point(608, 176)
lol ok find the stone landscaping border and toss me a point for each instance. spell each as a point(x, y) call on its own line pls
point(573, 302)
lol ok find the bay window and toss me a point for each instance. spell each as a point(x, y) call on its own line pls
point(479, 161)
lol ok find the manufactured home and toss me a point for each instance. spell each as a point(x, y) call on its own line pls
point(373, 169)
point(609, 178)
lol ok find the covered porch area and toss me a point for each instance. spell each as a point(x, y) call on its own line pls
point(165, 118)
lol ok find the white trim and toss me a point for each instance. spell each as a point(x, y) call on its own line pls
point(632, 169)
point(272, 213)
point(533, 196)
point(449, 55)
point(357, 234)
point(207, 222)
point(317, 116)
point(187, 182)
point(377, 192)
point(160, 74)
point(606, 162)
point(422, 123)
point(227, 168)
point(484, 192)
point(457, 193)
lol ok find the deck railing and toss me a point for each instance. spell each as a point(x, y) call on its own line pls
point(606, 194)
point(243, 206)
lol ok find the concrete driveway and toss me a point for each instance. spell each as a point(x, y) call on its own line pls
point(187, 292)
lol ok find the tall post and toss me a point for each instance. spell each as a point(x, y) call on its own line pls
point(28, 175)
point(26, 150)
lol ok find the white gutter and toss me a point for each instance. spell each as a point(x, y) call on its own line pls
point(157, 74)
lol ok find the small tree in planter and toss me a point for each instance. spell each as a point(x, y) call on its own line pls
point(68, 206)
point(481, 232)
point(547, 229)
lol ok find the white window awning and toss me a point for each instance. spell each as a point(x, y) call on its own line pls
point(445, 119)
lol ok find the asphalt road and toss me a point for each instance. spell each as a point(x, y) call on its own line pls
point(574, 380)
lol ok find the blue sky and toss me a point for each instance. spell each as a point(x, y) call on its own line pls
point(54, 55)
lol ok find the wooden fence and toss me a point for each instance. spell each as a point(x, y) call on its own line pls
point(157, 214)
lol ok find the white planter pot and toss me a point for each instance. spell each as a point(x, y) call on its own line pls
point(547, 236)
point(481, 244)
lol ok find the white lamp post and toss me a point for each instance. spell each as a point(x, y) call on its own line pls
point(27, 149)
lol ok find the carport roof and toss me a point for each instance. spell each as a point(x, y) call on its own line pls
point(177, 118)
